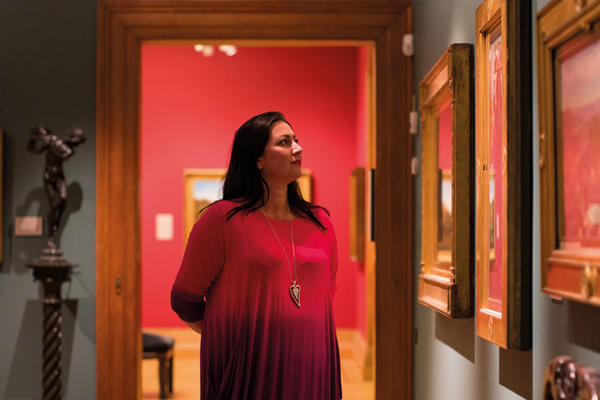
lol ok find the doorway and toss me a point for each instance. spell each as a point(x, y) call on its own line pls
point(193, 98)
point(121, 30)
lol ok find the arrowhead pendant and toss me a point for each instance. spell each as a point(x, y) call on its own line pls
point(295, 293)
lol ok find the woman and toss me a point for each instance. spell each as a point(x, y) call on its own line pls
point(258, 277)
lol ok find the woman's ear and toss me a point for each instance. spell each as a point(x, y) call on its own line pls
point(259, 163)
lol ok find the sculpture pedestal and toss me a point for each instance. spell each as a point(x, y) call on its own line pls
point(52, 269)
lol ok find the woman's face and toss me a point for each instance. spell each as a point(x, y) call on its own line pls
point(281, 161)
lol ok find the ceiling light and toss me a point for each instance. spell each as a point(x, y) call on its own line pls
point(207, 50)
point(228, 49)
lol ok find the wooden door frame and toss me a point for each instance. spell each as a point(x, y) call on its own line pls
point(122, 28)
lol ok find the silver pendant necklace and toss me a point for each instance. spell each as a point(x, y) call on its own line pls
point(294, 287)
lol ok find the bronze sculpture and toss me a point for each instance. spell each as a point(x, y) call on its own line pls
point(567, 380)
point(52, 269)
point(57, 151)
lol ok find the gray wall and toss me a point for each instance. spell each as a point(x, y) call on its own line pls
point(451, 362)
point(47, 75)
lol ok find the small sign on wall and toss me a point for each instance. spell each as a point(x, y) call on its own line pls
point(28, 226)
point(164, 226)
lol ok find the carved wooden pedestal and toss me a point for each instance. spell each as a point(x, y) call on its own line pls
point(52, 270)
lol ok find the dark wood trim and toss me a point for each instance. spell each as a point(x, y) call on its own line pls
point(393, 213)
point(122, 27)
point(520, 178)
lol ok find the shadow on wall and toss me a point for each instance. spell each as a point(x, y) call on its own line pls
point(458, 334)
point(27, 249)
point(516, 369)
point(85, 305)
point(8, 167)
point(25, 380)
point(584, 325)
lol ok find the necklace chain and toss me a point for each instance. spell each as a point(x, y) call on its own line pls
point(285, 252)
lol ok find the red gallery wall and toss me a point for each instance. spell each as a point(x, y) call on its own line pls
point(191, 107)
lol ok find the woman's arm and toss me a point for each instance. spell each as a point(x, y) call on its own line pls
point(190, 310)
point(202, 262)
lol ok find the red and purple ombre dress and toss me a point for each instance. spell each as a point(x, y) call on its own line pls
point(256, 343)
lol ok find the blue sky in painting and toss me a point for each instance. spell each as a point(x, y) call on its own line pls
point(208, 190)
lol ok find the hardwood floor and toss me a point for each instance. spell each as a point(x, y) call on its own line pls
point(186, 369)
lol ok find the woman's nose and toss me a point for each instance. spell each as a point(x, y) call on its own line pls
point(297, 149)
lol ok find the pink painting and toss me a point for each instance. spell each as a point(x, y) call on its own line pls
point(445, 229)
point(495, 174)
point(580, 105)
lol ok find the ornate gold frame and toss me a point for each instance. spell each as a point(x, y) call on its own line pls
point(190, 210)
point(448, 290)
point(506, 323)
point(357, 214)
point(571, 274)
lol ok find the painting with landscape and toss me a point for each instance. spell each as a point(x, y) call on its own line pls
point(569, 144)
point(580, 111)
point(446, 105)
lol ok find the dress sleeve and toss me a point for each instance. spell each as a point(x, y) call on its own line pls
point(203, 260)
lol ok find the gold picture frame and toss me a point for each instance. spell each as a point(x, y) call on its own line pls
point(503, 173)
point(446, 106)
point(203, 186)
point(357, 214)
point(568, 44)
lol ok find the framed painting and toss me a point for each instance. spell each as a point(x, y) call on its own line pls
point(446, 106)
point(204, 186)
point(568, 40)
point(201, 187)
point(503, 173)
point(357, 214)
point(305, 184)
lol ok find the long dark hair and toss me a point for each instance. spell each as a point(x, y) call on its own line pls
point(244, 182)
